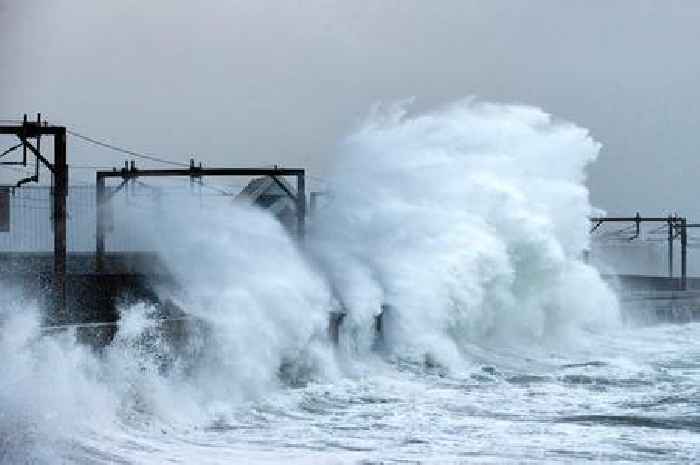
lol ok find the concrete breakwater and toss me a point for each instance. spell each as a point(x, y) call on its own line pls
point(94, 298)
point(654, 299)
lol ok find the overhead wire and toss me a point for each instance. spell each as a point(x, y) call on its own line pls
point(123, 150)
point(140, 155)
point(136, 154)
point(213, 187)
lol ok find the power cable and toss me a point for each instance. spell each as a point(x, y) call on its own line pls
point(124, 150)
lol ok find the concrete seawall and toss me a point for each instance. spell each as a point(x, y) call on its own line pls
point(91, 297)
point(654, 299)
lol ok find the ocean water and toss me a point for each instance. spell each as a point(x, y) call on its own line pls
point(631, 396)
point(499, 346)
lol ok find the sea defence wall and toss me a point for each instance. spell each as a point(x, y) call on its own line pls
point(93, 299)
point(634, 282)
point(653, 299)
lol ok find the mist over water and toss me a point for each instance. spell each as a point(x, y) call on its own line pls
point(468, 221)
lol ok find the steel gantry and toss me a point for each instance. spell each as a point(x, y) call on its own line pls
point(677, 227)
point(32, 131)
point(195, 172)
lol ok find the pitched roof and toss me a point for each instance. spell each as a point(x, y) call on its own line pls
point(267, 186)
point(265, 192)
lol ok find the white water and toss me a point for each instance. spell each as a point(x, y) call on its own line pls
point(469, 221)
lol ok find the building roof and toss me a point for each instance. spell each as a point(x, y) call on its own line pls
point(267, 193)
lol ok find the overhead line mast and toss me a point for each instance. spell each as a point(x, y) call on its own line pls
point(25, 131)
point(677, 226)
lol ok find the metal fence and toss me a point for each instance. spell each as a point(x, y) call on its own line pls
point(30, 227)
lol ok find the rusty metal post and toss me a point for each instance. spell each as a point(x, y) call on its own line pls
point(59, 219)
point(301, 207)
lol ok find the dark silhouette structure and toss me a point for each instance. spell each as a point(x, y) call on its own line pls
point(29, 134)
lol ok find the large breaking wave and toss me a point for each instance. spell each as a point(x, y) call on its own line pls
point(468, 221)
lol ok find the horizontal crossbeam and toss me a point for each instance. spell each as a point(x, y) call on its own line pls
point(634, 219)
point(31, 130)
point(196, 171)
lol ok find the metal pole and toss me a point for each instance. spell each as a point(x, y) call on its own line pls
point(100, 229)
point(132, 164)
point(670, 247)
point(301, 207)
point(684, 249)
point(313, 198)
point(59, 218)
point(335, 319)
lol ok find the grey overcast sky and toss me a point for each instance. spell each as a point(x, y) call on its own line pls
point(257, 81)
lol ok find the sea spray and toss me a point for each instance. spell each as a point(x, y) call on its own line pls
point(469, 220)
point(255, 317)
point(49, 386)
point(243, 278)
